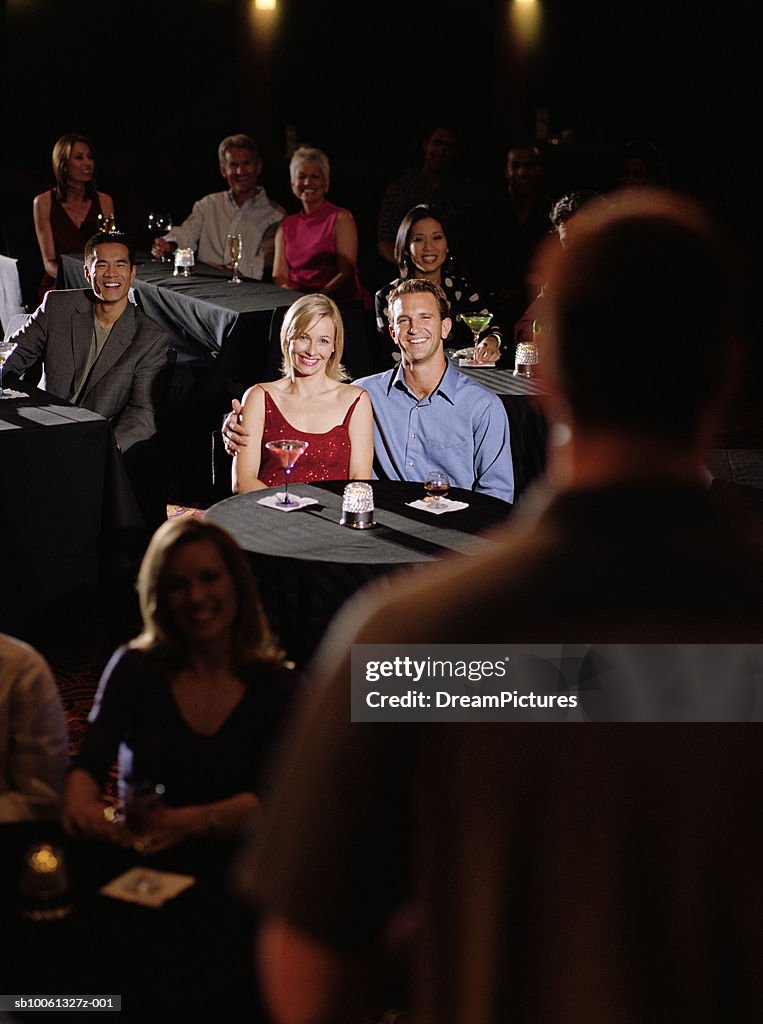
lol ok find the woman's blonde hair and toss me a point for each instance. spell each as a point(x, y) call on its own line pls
point(300, 316)
point(62, 151)
point(252, 640)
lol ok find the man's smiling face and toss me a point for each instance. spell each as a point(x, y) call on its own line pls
point(109, 272)
point(417, 327)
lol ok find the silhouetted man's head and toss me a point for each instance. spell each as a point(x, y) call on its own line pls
point(643, 305)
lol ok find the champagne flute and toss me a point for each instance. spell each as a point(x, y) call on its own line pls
point(476, 322)
point(235, 251)
point(437, 485)
point(287, 452)
point(7, 348)
point(159, 224)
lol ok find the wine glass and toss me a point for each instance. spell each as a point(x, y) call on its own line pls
point(159, 224)
point(287, 452)
point(437, 485)
point(476, 322)
point(7, 349)
point(235, 251)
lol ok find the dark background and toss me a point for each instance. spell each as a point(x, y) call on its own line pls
point(157, 85)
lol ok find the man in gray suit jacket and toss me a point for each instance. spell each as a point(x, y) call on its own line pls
point(97, 348)
point(99, 351)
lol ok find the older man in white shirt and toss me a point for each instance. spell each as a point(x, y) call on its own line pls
point(244, 208)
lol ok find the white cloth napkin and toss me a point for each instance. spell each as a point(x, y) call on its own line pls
point(446, 505)
point(148, 887)
point(272, 501)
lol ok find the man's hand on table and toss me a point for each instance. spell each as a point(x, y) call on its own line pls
point(234, 434)
point(162, 247)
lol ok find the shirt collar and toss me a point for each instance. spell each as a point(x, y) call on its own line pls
point(446, 388)
point(254, 198)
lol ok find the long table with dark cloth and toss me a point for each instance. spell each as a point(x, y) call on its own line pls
point(226, 324)
point(527, 423)
point(68, 515)
point(307, 564)
point(191, 957)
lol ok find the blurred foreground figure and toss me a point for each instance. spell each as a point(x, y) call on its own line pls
point(34, 743)
point(552, 873)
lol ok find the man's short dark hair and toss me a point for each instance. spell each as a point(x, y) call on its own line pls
point(415, 286)
point(644, 304)
point(109, 237)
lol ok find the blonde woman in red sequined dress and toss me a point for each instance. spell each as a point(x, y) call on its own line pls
point(311, 402)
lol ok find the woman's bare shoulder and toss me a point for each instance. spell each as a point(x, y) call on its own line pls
point(351, 393)
point(270, 387)
point(253, 394)
point(42, 201)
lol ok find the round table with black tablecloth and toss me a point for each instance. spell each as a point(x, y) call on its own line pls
point(307, 564)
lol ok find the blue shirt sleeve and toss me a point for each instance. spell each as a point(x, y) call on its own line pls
point(493, 465)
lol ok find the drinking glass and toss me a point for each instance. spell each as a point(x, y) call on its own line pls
point(235, 251)
point(437, 485)
point(476, 322)
point(6, 350)
point(45, 884)
point(287, 452)
point(140, 799)
point(159, 224)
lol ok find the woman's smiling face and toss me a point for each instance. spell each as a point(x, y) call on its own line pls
point(311, 349)
point(428, 246)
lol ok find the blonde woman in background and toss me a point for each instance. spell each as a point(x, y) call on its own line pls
point(67, 215)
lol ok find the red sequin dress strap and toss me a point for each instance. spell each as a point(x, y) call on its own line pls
point(327, 456)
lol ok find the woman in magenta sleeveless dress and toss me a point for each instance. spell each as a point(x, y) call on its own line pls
point(311, 402)
point(66, 216)
point(317, 250)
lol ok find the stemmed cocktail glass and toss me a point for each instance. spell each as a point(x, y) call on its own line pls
point(287, 452)
point(476, 322)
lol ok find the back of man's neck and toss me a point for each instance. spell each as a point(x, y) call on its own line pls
point(604, 459)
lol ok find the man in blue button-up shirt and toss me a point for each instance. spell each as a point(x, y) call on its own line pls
point(428, 415)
